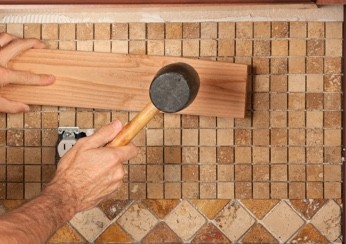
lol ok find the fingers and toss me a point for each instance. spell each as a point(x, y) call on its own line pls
point(103, 135)
point(6, 38)
point(24, 78)
point(16, 47)
point(7, 106)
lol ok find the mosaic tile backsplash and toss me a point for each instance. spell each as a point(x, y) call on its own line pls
point(281, 164)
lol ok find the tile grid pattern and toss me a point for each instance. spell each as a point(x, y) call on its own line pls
point(289, 145)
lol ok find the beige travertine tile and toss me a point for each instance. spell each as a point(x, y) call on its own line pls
point(15, 29)
point(298, 29)
point(279, 47)
point(280, 29)
point(192, 30)
point(316, 30)
point(234, 220)
point(327, 220)
point(191, 48)
point(289, 221)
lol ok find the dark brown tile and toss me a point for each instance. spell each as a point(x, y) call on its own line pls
point(259, 234)
point(161, 233)
point(210, 234)
point(32, 173)
point(161, 207)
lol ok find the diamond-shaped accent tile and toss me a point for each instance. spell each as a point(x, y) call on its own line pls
point(282, 221)
point(161, 207)
point(137, 221)
point(114, 234)
point(259, 207)
point(327, 220)
point(185, 220)
point(210, 234)
point(90, 224)
point(308, 207)
point(66, 234)
point(112, 208)
point(309, 234)
point(258, 234)
point(234, 220)
point(161, 234)
point(209, 208)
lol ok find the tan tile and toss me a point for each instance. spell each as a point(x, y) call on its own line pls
point(191, 48)
point(296, 172)
point(262, 30)
point(242, 155)
point(280, 29)
point(315, 47)
point(314, 190)
point(15, 138)
point(234, 221)
point(296, 155)
point(172, 190)
point(332, 172)
point(296, 119)
point(332, 190)
point(316, 29)
point(297, 190)
point(173, 47)
point(243, 190)
point(15, 120)
point(296, 65)
point(154, 137)
point(314, 119)
point(243, 47)
point(50, 120)
point(332, 154)
point(261, 48)
point(66, 234)
point(120, 31)
point(314, 137)
point(173, 137)
point(244, 30)
point(173, 30)
point(136, 173)
point(290, 221)
point(209, 30)
point(154, 155)
point(297, 47)
point(243, 172)
point(279, 47)
point(314, 65)
point(334, 47)
point(155, 47)
point(314, 155)
point(32, 190)
point(15, 29)
point(278, 190)
point(32, 31)
point(332, 137)
point(172, 173)
point(161, 208)
point(327, 220)
point(332, 120)
point(225, 190)
point(261, 66)
point(191, 30)
point(208, 48)
point(332, 83)
point(333, 29)
point(298, 29)
point(207, 155)
point(15, 155)
point(190, 190)
point(278, 119)
point(189, 155)
point(314, 172)
point(332, 101)
point(137, 47)
point(207, 173)
point(15, 173)
point(120, 46)
point(155, 190)
point(32, 173)
point(187, 225)
point(225, 172)
point(279, 172)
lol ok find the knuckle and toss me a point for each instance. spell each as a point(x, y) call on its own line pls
point(4, 35)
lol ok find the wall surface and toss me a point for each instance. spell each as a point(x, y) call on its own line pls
point(272, 177)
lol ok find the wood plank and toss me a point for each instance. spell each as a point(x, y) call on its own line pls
point(121, 82)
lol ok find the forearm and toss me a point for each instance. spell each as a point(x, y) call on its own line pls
point(37, 220)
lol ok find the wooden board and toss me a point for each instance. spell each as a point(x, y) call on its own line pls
point(121, 82)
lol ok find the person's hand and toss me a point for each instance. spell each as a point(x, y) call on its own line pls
point(89, 172)
point(10, 47)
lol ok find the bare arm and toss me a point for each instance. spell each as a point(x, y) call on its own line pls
point(86, 175)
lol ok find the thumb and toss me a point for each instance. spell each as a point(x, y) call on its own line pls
point(104, 135)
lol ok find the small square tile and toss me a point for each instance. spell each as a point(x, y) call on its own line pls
point(314, 172)
point(32, 173)
point(242, 137)
point(261, 66)
point(155, 31)
point(191, 30)
point(190, 173)
point(314, 119)
point(261, 190)
point(315, 47)
point(172, 190)
point(298, 29)
point(191, 48)
point(190, 190)
point(154, 173)
point(225, 190)
point(137, 190)
point(243, 172)
point(333, 29)
point(154, 137)
point(314, 83)
point(48, 155)
point(189, 155)
point(174, 30)
point(189, 137)
point(332, 190)
point(332, 101)
point(15, 191)
point(314, 155)
point(334, 47)
point(137, 47)
point(172, 137)
point(209, 30)
point(226, 48)
point(296, 65)
point(207, 137)
point(260, 155)
point(243, 190)
point(260, 173)
point(296, 155)
point(244, 30)
point(15, 29)
point(262, 30)
point(279, 172)
point(32, 190)
point(279, 66)
point(207, 155)
point(279, 47)
point(243, 155)
point(314, 137)
point(120, 31)
point(278, 190)
point(137, 31)
point(278, 119)
point(314, 65)
point(297, 47)
point(32, 31)
point(297, 190)
point(207, 190)
point(208, 48)
point(332, 173)
point(243, 47)
point(278, 155)
point(314, 190)
point(15, 155)
point(260, 137)
point(15, 173)
point(172, 173)
point(172, 155)
point(225, 173)
point(155, 191)
point(296, 172)
point(102, 31)
point(280, 29)
point(136, 173)
point(316, 29)
point(120, 46)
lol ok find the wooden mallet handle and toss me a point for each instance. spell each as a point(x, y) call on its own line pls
point(132, 128)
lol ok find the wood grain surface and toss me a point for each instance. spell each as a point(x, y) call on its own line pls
point(121, 82)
